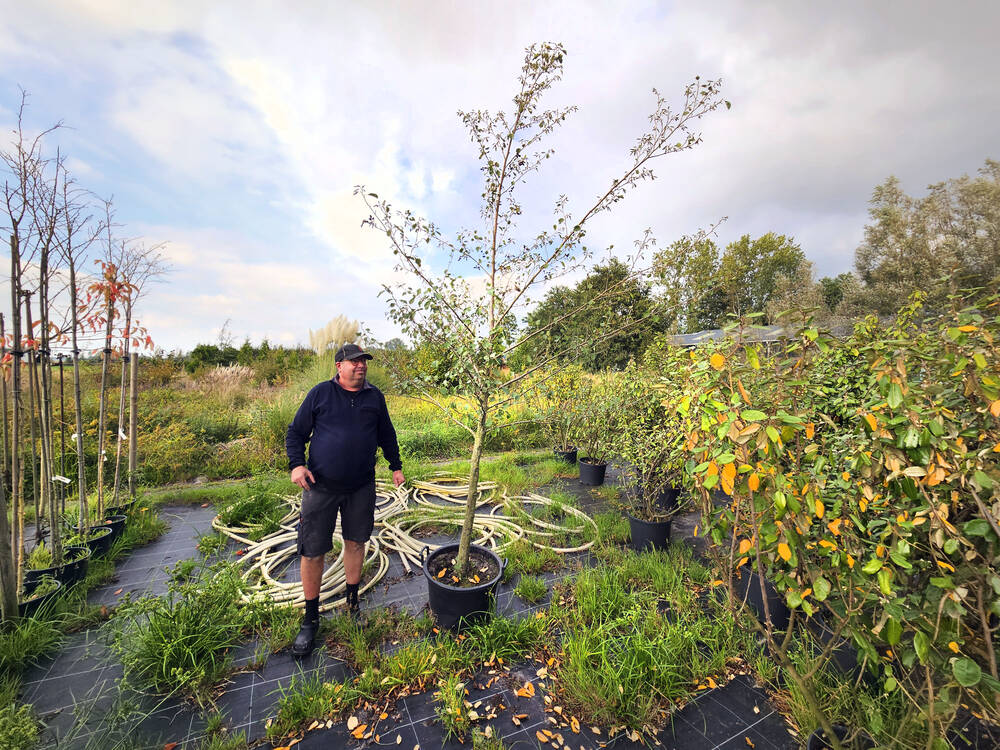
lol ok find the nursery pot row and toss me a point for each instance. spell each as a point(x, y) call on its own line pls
point(455, 606)
point(68, 573)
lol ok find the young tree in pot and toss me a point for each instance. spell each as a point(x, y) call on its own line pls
point(475, 323)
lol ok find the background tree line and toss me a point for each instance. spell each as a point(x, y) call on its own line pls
point(941, 243)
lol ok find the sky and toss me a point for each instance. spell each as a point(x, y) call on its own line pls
point(234, 133)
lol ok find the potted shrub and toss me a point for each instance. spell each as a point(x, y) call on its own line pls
point(649, 438)
point(556, 398)
point(595, 410)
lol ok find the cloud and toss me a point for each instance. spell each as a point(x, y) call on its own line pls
point(245, 127)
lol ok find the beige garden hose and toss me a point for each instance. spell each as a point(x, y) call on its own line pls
point(399, 512)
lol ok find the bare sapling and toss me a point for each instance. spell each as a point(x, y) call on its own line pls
point(138, 265)
point(475, 321)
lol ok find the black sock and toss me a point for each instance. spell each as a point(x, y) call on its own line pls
point(312, 609)
point(352, 592)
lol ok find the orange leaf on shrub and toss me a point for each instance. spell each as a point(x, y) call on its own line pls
point(728, 478)
point(717, 361)
point(745, 545)
point(784, 552)
point(753, 482)
point(820, 508)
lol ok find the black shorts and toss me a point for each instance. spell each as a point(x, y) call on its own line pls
point(318, 518)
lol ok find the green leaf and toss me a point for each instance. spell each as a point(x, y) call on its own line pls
point(982, 480)
point(752, 415)
point(900, 561)
point(921, 645)
point(893, 631)
point(980, 360)
point(895, 396)
point(794, 599)
point(950, 546)
point(976, 527)
point(872, 566)
point(821, 589)
point(890, 684)
point(884, 580)
point(966, 671)
point(772, 434)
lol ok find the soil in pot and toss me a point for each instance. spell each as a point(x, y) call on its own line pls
point(37, 594)
point(459, 600)
point(647, 535)
point(567, 454)
point(592, 472)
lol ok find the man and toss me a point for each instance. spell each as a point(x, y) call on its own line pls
point(344, 420)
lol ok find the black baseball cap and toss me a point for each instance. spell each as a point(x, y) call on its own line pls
point(350, 351)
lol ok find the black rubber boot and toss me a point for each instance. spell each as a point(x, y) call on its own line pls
point(305, 641)
point(354, 606)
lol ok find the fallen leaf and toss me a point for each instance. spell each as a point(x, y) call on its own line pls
point(541, 737)
point(399, 739)
point(352, 722)
point(116, 594)
point(383, 716)
point(441, 573)
point(170, 746)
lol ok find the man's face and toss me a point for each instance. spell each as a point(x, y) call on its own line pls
point(352, 372)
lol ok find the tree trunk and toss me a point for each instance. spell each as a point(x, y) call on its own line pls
point(133, 420)
point(471, 499)
point(3, 403)
point(102, 417)
point(62, 435)
point(45, 412)
point(121, 404)
point(81, 465)
point(17, 491)
point(8, 576)
point(32, 432)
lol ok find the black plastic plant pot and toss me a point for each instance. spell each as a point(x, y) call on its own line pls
point(647, 535)
point(99, 540)
point(75, 570)
point(118, 510)
point(747, 589)
point(844, 655)
point(568, 455)
point(591, 472)
point(116, 524)
point(452, 606)
point(668, 497)
point(719, 498)
point(29, 607)
point(32, 577)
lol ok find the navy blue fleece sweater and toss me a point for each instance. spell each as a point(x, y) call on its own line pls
point(343, 429)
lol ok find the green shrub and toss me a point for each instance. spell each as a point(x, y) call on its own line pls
point(170, 454)
point(18, 727)
point(180, 643)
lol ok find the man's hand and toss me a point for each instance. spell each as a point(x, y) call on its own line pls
point(304, 478)
point(397, 477)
